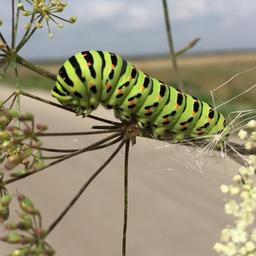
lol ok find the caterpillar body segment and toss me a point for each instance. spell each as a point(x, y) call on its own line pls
point(90, 78)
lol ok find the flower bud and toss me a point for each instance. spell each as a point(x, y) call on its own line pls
point(5, 199)
point(26, 204)
point(72, 19)
point(41, 127)
point(19, 173)
point(2, 44)
point(4, 135)
point(28, 26)
point(24, 251)
point(50, 35)
point(38, 25)
point(3, 119)
point(20, 6)
point(4, 213)
point(12, 161)
point(26, 117)
point(25, 223)
point(13, 238)
point(25, 13)
point(6, 145)
point(60, 25)
point(10, 226)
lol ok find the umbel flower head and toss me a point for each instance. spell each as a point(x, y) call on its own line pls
point(42, 11)
point(239, 239)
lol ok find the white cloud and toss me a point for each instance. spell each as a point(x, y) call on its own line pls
point(91, 11)
point(138, 18)
point(187, 9)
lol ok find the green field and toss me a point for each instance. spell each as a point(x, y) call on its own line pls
point(200, 73)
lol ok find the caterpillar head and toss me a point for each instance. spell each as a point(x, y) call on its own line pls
point(69, 92)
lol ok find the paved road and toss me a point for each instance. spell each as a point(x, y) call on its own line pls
point(173, 209)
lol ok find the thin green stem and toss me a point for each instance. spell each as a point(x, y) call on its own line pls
point(18, 107)
point(37, 69)
point(126, 161)
point(55, 150)
point(5, 42)
point(27, 37)
point(187, 47)
point(82, 189)
point(16, 24)
point(171, 45)
point(95, 148)
point(65, 108)
point(13, 24)
point(76, 133)
point(60, 150)
point(29, 29)
point(12, 95)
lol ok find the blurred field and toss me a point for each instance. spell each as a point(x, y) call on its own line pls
point(200, 73)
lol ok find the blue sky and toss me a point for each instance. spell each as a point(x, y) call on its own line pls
point(131, 27)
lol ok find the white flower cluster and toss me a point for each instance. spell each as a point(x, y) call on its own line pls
point(42, 10)
point(249, 134)
point(240, 239)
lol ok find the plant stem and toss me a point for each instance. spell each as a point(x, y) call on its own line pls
point(82, 189)
point(13, 24)
point(65, 108)
point(35, 68)
point(95, 148)
point(190, 45)
point(171, 45)
point(27, 36)
point(76, 133)
point(78, 152)
point(126, 161)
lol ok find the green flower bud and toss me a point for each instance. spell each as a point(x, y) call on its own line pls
point(20, 6)
point(28, 26)
point(25, 223)
point(10, 226)
point(13, 238)
point(26, 117)
point(26, 204)
point(19, 173)
point(6, 145)
point(5, 199)
point(20, 252)
point(72, 19)
point(13, 113)
point(4, 213)
point(3, 119)
point(4, 135)
point(12, 161)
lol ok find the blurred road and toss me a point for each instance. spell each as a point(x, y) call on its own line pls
point(173, 209)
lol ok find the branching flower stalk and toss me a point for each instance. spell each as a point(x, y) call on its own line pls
point(27, 232)
point(86, 184)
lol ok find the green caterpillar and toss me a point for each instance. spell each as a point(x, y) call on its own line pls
point(92, 77)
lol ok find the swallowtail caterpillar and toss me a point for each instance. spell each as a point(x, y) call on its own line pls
point(90, 78)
